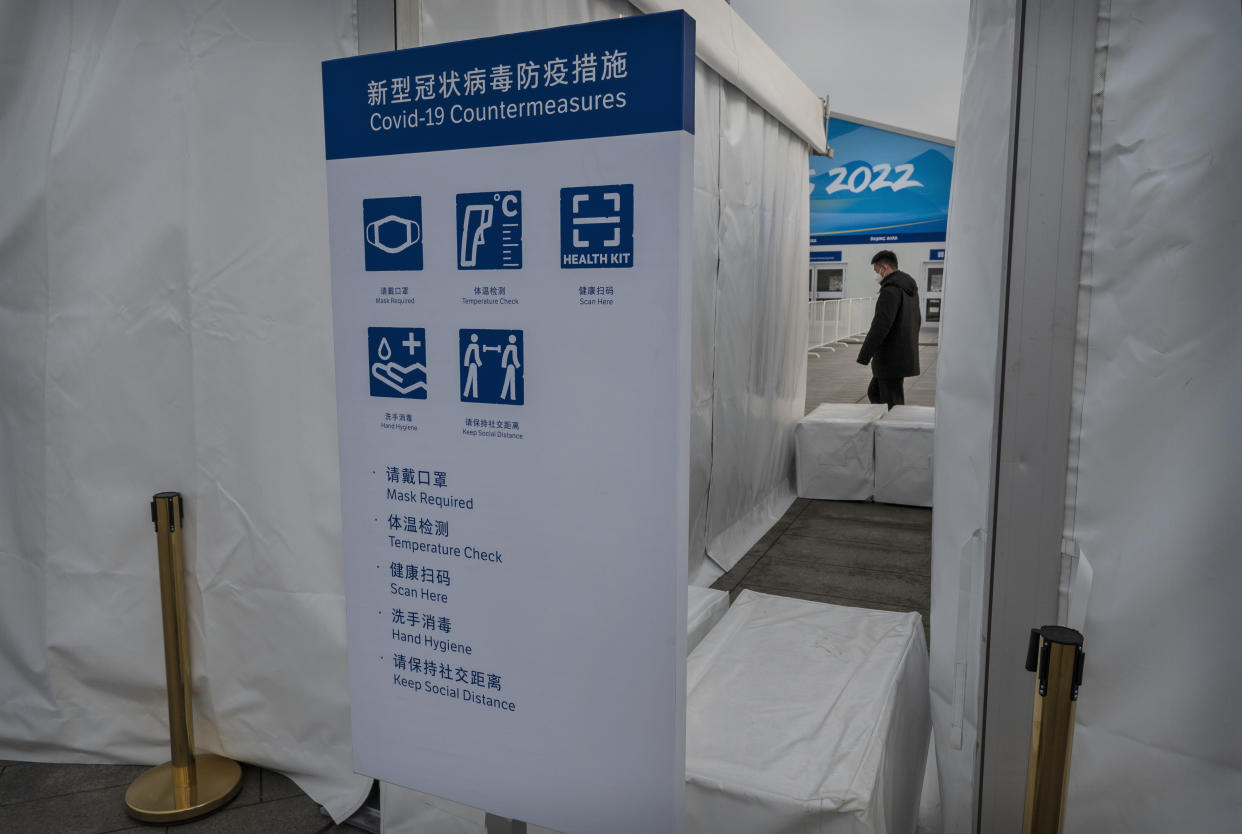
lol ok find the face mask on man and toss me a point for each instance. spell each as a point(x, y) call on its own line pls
point(879, 278)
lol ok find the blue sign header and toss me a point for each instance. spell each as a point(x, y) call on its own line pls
point(880, 186)
point(831, 256)
point(608, 78)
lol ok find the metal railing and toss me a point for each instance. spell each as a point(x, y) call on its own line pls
point(837, 319)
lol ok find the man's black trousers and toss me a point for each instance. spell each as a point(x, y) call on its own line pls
point(891, 392)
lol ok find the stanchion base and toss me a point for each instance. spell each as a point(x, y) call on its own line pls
point(151, 797)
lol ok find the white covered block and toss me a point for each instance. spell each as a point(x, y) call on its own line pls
point(405, 811)
point(836, 451)
point(706, 607)
point(904, 443)
point(806, 717)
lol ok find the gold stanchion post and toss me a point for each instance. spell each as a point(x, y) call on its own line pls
point(1055, 654)
point(189, 786)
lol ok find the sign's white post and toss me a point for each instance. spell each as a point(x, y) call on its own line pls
point(510, 228)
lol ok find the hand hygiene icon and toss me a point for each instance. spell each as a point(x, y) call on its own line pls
point(395, 372)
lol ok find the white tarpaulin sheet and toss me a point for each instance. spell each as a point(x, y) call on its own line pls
point(165, 308)
point(904, 440)
point(836, 451)
point(806, 717)
point(1154, 459)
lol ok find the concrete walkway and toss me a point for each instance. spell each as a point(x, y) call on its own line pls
point(90, 799)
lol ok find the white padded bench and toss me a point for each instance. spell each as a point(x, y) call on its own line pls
point(836, 451)
point(904, 446)
point(806, 717)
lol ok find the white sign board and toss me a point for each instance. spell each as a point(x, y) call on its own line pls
point(510, 224)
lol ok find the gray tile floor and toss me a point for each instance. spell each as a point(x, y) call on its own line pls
point(849, 553)
point(37, 798)
point(852, 553)
point(855, 553)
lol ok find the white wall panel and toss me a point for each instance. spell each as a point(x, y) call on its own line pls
point(967, 384)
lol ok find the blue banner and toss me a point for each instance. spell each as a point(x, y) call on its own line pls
point(879, 187)
point(609, 78)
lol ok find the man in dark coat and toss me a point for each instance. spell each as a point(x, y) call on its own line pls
point(892, 343)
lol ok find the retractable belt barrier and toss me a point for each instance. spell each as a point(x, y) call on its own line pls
point(1055, 654)
point(189, 786)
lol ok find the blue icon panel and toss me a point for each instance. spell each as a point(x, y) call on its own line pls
point(492, 366)
point(398, 360)
point(597, 227)
point(392, 231)
point(489, 230)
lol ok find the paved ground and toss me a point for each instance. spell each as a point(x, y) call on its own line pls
point(834, 376)
point(855, 553)
point(90, 799)
point(845, 552)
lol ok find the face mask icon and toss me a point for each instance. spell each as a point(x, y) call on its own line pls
point(412, 232)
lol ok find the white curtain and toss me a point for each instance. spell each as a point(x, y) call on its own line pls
point(751, 276)
point(1154, 460)
point(1158, 746)
point(164, 305)
point(966, 386)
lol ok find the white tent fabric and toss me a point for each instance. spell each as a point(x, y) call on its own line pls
point(752, 274)
point(751, 213)
point(164, 302)
point(739, 56)
point(1153, 459)
point(965, 404)
point(1158, 745)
